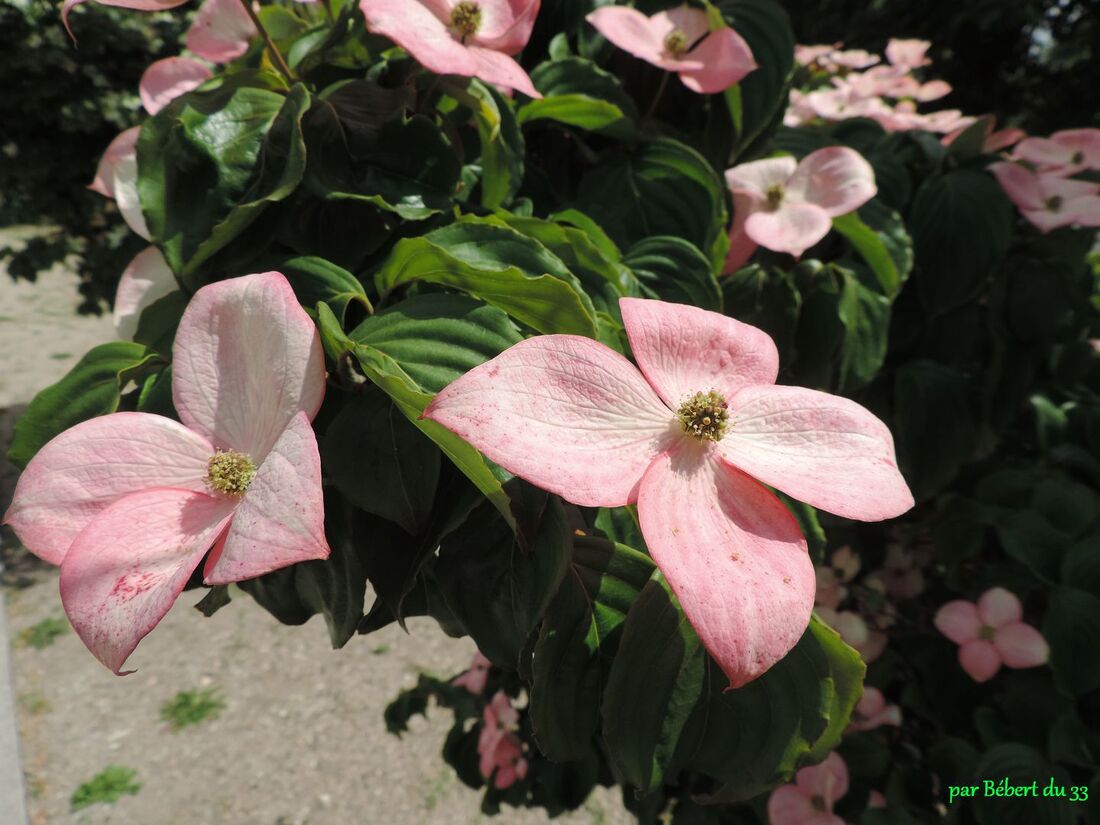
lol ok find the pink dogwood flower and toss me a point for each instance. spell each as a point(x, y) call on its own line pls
point(991, 633)
point(221, 31)
point(867, 641)
point(788, 206)
point(873, 711)
point(810, 798)
point(994, 141)
point(907, 54)
point(138, 5)
point(500, 750)
point(472, 38)
point(1063, 153)
point(692, 438)
point(116, 177)
point(679, 40)
point(1049, 201)
point(129, 503)
point(167, 79)
point(900, 577)
point(842, 568)
point(476, 677)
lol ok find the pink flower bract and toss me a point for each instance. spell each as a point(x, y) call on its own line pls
point(689, 438)
point(473, 38)
point(788, 206)
point(146, 278)
point(679, 40)
point(810, 798)
point(138, 5)
point(117, 176)
point(500, 751)
point(129, 503)
point(873, 711)
point(221, 31)
point(1063, 153)
point(1049, 201)
point(991, 633)
point(476, 677)
point(167, 79)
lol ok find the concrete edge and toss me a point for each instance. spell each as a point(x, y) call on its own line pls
point(12, 790)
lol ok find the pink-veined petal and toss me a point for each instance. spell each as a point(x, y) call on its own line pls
point(998, 606)
point(126, 568)
point(506, 24)
point(837, 179)
point(77, 474)
point(167, 79)
point(980, 660)
point(630, 30)
point(828, 780)
point(414, 27)
point(1021, 645)
point(726, 59)
point(146, 278)
point(792, 228)
point(759, 176)
point(683, 350)
point(819, 448)
point(564, 412)
point(787, 805)
point(246, 360)
point(281, 517)
point(733, 555)
point(958, 621)
point(501, 70)
point(221, 31)
point(123, 145)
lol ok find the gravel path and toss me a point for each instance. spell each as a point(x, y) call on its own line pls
point(301, 738)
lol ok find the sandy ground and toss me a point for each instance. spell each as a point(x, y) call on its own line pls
point(301, 740)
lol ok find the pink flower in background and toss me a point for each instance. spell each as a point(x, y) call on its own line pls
point(876, 800)
point(146, 279)
point(809, 800)
point(475, 678)
point(1063, 153)
point(788, 206)
point(167, 79)
point(842, 568)
point(908, 54)
point(900, 576)
point(220, 31)
point(692, 439)
point(1049, 201)
point(994, 140)
point(991, 633)
point(117, 176)
point(129, 503)
point(873, 711)
point(679, 40)
point(473, 38)
point(501, 751)
point(868, 642)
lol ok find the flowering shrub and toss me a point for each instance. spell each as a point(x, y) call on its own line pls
point(619, 377)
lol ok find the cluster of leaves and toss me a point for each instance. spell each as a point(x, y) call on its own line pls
point(429, 223)
point(60, 106)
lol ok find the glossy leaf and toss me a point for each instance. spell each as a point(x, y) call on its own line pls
point(672, 269)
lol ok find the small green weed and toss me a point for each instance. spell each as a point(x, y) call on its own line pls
point(109, 785)
point(378, 650)
point(43, 634)
point(189, 707)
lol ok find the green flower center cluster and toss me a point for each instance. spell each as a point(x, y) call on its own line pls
point(775, 196)
point(676, 43)
point(704, 416)
point(466, 18)
point(230, 472)
point(1055, 203)
point(986, 632)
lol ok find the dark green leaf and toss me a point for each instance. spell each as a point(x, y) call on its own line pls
point(1071, 627)
point(673, 269)
point(315, 279)
point(578, 93)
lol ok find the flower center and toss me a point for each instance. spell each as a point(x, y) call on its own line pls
point(775, 196)
point(818, 803)
point(986, 632)
point(1055, 203)
point(466, 18)
point(230, 472)
point(704, 416)
point(676, 43)
point(1078, 157)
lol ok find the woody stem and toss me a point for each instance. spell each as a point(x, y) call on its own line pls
point(276, 55)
